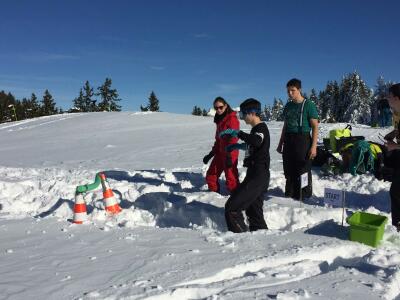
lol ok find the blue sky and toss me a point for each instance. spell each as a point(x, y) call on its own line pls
point(189, 52)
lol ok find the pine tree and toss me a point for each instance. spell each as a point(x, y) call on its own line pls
point(314, 98)
point(79, 103)
point(277, 110)
point(334, 99)
point(328, 102)
point(89, 104)
point(267, 113)
point(381, 88)
point(356, 99)
point(108, 96)
point(317, 101)
point(48, 104)
point(13, 109)
point(145, 108)
point(28, 108)
point(34, 106)
point(24, 105)
point(197, 111)
point(153, 102)
point(320, 105)
point(26, 111)
point(3, 106)
point(6, 113)
point(20, 109)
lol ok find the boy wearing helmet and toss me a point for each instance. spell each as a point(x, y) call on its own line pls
point(248, 197)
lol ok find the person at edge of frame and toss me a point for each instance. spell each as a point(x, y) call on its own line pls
point(393, 146)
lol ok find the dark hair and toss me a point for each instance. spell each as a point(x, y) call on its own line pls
point(294, 82)
point(222, 100)
point(395, 90)
point(251, 104)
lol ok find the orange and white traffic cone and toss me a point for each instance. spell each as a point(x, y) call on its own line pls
point(110, 202)
point(80, 214)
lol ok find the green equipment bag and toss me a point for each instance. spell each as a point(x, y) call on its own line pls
point(337, 134)
point(362, 159)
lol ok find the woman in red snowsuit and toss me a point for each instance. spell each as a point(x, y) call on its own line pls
point(225, 161)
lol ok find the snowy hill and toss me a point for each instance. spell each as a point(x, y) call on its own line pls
point(170, 240)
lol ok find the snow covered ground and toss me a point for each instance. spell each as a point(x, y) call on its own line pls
point(170, 240)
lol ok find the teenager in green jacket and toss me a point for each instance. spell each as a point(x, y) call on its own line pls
point(296, 144)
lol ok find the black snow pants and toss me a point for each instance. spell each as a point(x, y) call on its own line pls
point(395, 199)
point(248, 197)
point(296, 162)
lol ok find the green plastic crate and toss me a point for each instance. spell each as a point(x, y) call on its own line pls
point(366, 228)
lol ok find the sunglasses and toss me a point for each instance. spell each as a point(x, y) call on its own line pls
point(243, 113)
point(218, 107)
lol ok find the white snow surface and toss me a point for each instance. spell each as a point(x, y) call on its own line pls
point(170, 241)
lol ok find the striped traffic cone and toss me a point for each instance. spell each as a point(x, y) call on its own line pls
point(110, 202)
point(80, 214)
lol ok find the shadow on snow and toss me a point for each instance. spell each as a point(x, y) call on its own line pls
point(169, 209)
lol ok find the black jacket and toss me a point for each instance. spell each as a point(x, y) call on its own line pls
point(258, 142)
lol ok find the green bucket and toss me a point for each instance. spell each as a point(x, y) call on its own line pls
point(366, 228)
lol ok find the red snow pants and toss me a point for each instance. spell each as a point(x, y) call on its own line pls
point(215, 170)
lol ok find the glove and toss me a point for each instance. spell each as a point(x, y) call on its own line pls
point(232, 147)
point(229, 131)
point(228, 161)
point(207, 158)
